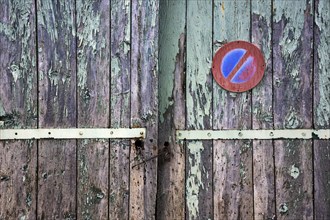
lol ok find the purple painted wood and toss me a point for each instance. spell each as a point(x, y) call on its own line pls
point(93, 88)
point(57, 108)
point(292, 45)
point(262, 118)
point(321, 109)
point(144, 108)
point(232, 167)
point(120, 107)
point(18, 108)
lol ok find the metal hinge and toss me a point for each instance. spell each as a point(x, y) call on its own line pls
point(72, 133)
point(252, 134)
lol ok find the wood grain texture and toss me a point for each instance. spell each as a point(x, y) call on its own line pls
point(233, 181)
point(292, 44)
point(263, 161)
point(120, 107)
point(57, 108)
point(144, 108)
point(171, 159)
point(18, 108)
point(199, 106)
point(93, 66)
point(321, 109)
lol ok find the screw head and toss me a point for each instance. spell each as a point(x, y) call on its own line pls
point(81, 133)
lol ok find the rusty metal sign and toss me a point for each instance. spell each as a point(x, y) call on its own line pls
point(238, 66)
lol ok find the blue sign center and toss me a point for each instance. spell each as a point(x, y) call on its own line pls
point(244, 72)
point(230, 60)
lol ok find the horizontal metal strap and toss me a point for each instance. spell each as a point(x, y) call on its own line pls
point(252, 134)
point(72, 133)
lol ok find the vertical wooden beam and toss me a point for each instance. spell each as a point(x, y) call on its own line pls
point(322, 109)
point(233, 187)
point(93, 86)
point(262, 108)
point(120, 106)
point(199, 107)
point(292, 44)
point(171, 159)
point(57, 108)
point(18, 108)
point(144, 108)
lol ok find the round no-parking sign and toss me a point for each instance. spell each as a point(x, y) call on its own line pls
point(238, 66)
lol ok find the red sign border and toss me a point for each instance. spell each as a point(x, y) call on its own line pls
point(234, 87)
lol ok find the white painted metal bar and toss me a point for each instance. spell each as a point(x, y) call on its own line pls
point(72, 133)
point(253, 134)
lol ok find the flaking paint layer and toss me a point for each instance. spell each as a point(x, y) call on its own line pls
point(194, 178)
point(291, 38)
point(323, 56)
point(168, 49)
point(87, 38)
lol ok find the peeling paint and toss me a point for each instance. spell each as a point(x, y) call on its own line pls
point(89, 43)
point(294, 172)
point(264, 18)
point(15, 72)
point(283, 208)
point(194, 178)
point(292, 119)
point(169, 39)
point(323, 56)
point(291, 33)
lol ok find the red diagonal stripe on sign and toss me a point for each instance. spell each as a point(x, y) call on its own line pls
point(238, 65)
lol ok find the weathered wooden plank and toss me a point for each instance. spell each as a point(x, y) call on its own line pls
point(171, 159)
point(120, 107)
point(57, 108)
point(262, 117)
point(18, 108)
point(233, 188)
point(93, 69)
point(144, 108)
point(199, 106)
point(321, 109)
point(292, 46)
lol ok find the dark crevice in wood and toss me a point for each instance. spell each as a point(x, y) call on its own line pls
point(37, 74)
point(313, 98)
point(251, 118)
point(273, 102)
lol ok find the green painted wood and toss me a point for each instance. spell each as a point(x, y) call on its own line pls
point(120, 107)
point(171, 159)
point(57, 108)
point(232, 166)
point(93, 84)
point(321, 109)
point(18, 108)
point(292, 45)
point(262, 108)
point(144, 108)
point(199, 106)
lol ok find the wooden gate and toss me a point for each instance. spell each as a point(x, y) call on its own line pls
point(147, 64)
point(84, 64)
point(244, 179)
